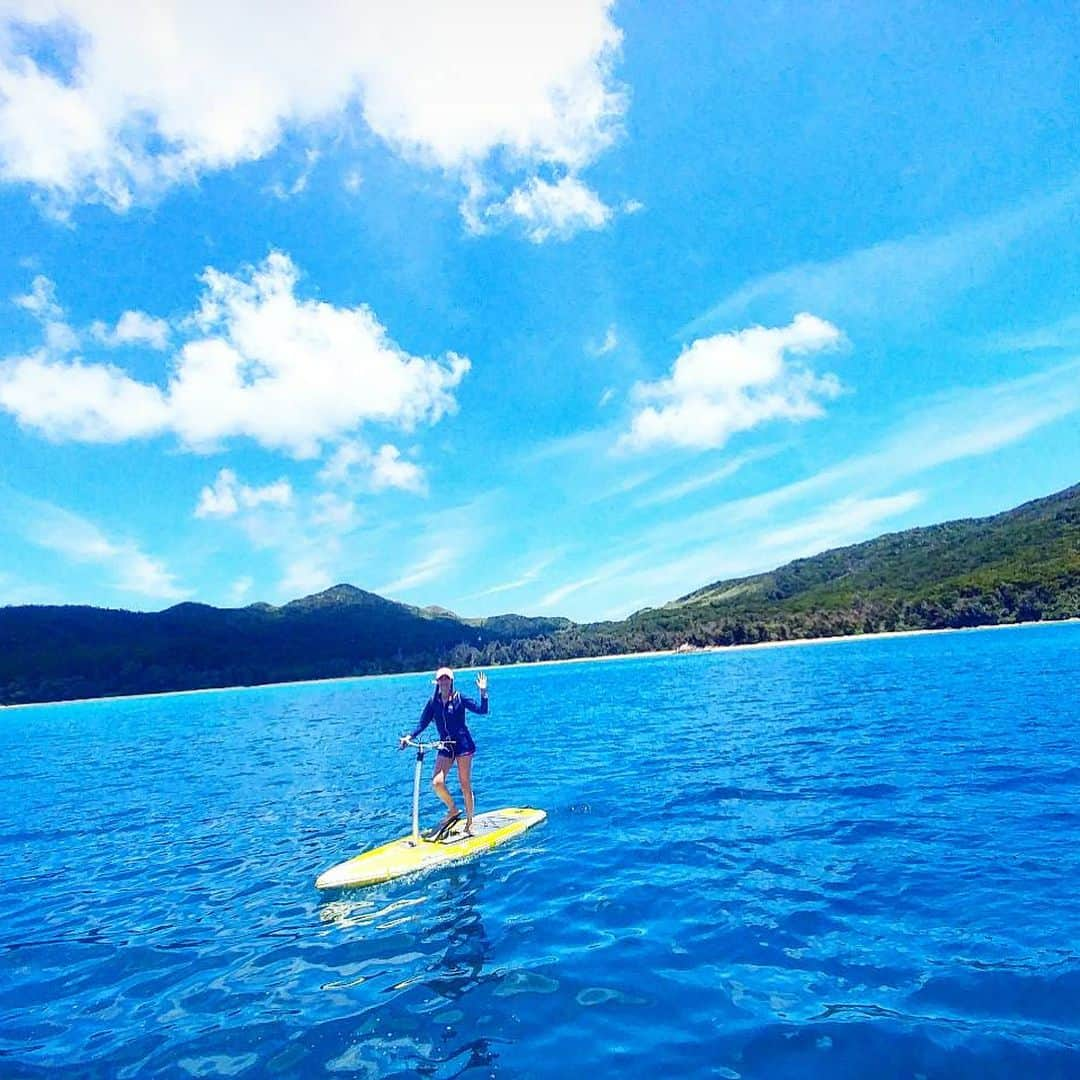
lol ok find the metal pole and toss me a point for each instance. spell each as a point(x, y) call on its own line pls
point(416, 796)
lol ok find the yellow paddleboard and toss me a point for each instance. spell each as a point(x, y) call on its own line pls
point(408, 856)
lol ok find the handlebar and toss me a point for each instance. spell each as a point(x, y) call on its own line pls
point(438, 744)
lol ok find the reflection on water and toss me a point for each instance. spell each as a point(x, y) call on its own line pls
point(441, 955)
point(357, 910)
point(456, 932)
point(460, 950)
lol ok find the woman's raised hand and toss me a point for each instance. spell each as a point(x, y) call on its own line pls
point(481, 682)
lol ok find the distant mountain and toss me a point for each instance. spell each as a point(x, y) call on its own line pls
point(58, 653)
point(1020, 565)
point(1017, 566)
point(1037, 540)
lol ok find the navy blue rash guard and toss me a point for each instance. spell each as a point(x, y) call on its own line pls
point(449, 717)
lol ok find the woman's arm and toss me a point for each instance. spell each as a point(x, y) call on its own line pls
point(481, 685)
point(425, 718)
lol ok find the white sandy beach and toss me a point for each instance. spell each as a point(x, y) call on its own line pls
point(686, 651)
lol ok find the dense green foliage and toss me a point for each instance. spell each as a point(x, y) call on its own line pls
point(59, 653)
point(1022, 565)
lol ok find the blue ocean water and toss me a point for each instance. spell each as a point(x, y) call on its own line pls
point(844, 859)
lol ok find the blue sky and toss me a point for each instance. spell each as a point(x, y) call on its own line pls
point(554, 308)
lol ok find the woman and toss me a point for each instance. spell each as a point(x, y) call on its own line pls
point(447, 708)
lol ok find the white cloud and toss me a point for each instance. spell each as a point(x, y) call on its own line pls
point(429, 568)
point(376, 471)
point(41, 302)
point(557, 210)
point(622, 483)
point(280, 191)
point(84, 402)
point(526, 578)
point(14, 593)
point(343, 462)
point(209, 86)
point(228, 495)
point(353, 181)
point(305, 575)
point(60, 339)
point(1064, 334)
point(581, 444)
point(240, 590)
point(703, 480)
point(389, 470)
point(133, 328)
point(291, 373)
point(683, 559)
point(842, 504)
point(609, 344)
point(147, 576)
point(962, 424)
point(606, 397)
point(334, 512)
point(261, 363)
point(304, 534)
point(82, 541)
point(733, 382)
point(533, 78)
point(900, 280)
point(840, 522)
point(610, 570)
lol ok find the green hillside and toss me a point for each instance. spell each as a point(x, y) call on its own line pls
point(1017, 566)
point(59, 653)
point(1020, 565)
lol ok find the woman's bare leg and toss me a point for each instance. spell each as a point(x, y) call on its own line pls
point(464, 771)
point(438, 782)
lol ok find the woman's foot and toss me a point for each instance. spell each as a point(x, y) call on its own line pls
point(468, 827)
point(439, 831)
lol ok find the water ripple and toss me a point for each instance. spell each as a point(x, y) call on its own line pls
point(846, 860)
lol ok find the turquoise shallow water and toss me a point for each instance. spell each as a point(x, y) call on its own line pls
point(848, 859)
